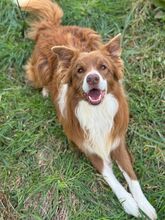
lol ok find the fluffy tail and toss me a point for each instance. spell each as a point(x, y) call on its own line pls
point(49, 15)
point(46, 9)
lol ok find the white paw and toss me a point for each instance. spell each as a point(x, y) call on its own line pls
point(147, 208)
point(45, 92)
point(130, 206)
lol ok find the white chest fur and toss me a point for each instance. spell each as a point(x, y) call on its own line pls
point(97, 122)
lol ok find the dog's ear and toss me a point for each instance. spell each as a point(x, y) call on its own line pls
point(113, 47)
point(63, 53)
point(113, 50)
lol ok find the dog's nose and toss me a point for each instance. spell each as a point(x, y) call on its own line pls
point(93, 79)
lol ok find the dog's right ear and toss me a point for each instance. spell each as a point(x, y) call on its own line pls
point(63, 53)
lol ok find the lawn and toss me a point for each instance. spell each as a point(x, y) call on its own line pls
point(41, 176)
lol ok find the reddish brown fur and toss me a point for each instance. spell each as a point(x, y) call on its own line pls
point(96, 162)
point(122, 156)
point(51, 69)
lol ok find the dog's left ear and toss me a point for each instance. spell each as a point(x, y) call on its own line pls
point(63, 53)
point(113, 47)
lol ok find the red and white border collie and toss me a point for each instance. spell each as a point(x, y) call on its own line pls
point(84, 78)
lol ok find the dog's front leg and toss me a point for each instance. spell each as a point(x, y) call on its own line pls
point(122, 157)
point(125, 198)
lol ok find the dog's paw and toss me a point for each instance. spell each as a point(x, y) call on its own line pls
point(130, 206)
point(147, 208)
point(45, 92)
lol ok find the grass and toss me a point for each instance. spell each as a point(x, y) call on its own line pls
point(41, 176)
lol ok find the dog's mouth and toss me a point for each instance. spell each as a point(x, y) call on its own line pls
point(95, 96)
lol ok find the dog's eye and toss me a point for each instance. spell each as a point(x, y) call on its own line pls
point(80, 70)
point(103, 67)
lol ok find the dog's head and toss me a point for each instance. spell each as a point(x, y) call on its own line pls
point(92, 74)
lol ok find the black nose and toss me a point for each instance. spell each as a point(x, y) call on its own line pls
point(93, 79)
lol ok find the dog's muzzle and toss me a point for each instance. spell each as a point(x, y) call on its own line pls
point(94, 88)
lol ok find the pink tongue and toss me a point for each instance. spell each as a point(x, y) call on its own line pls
point(94, 94)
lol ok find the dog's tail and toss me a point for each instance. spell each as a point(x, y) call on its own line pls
point(46, 10)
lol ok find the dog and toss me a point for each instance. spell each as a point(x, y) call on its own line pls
point(84, 79)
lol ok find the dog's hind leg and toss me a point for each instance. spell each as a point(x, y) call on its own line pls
point(38, 73)
point(123, 159)
point(31, 74)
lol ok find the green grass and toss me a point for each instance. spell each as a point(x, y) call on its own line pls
point(41, 176)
